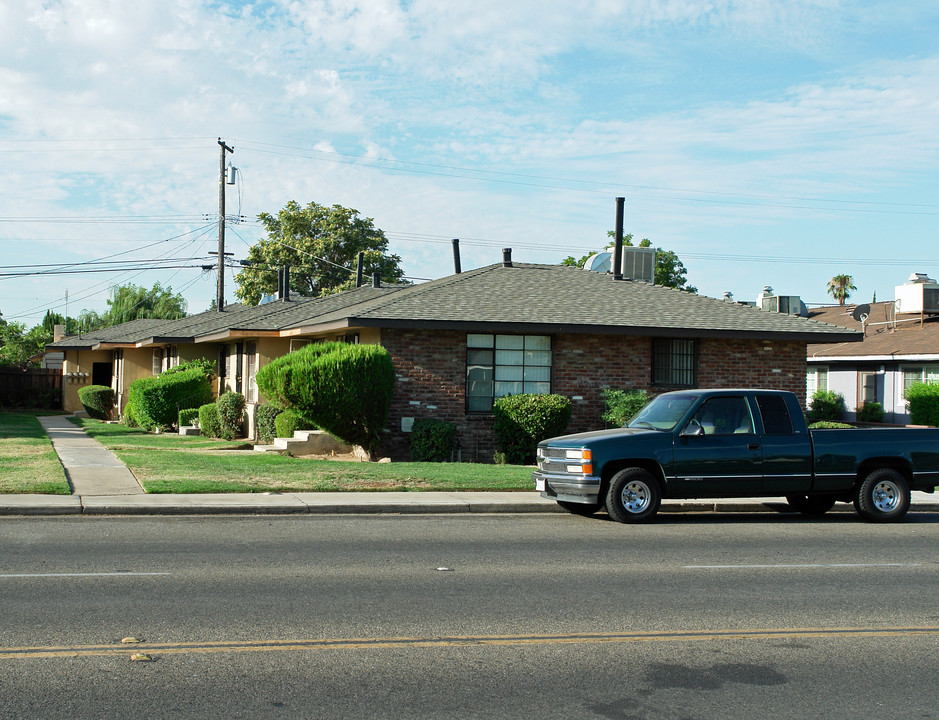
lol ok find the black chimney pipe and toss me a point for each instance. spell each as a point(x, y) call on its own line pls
point(376, 279)
point(280, 283)
point(286, 283)
point(618, 246)
point(506, 257)
point(359, 270)
point(456, 255)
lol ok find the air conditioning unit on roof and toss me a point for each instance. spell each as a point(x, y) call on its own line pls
point(920, 295)
point(639, 264)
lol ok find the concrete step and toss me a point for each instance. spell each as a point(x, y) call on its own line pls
point(310, 442)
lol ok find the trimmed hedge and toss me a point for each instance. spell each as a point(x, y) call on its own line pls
point(432, 440)
point(924, 403)
point(231, 414)
point(209, 423)
point(288, 421)
point(827, 405)
point(98, 401)
point(156, 400)
point(206, 367)
point(871, 412)
point(522, 421)
point(621, 406)
point(188, 416)
point(265, 418)
point(344, 389)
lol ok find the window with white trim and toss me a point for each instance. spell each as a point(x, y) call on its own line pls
point(498, 365)
point(919, 373)
point(816, 378)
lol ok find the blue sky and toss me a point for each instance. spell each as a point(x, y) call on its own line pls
point(765, 142)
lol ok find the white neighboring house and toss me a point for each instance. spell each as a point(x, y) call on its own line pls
point(900, 347)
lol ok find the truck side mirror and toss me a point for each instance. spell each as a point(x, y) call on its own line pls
point(692, 428)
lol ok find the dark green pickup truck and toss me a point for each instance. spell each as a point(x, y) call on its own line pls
point(736, 443)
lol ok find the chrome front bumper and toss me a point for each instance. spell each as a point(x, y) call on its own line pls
point(569, 488)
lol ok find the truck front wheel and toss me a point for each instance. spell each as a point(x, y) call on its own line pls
point(883, 496)
point(634, 496)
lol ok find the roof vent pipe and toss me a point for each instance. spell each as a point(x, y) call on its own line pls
point(376, 280)
point(456, 255)
point(286, 296)
point(280, 283)
point(618, 245)
point(359, 270)
point(506, 257)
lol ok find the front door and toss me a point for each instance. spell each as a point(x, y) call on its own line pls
point(718, 452)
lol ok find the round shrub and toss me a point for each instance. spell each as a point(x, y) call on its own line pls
point(265, 419)
point(622, 405)
point(231, 414)
point(345, 389)
point(288, 421)
point(871, 412)
point(522, 421)
point(157, 400)
point(924, 403)
point(432, 440)
point(98, 401)
point(827, 405)
point(208, 421)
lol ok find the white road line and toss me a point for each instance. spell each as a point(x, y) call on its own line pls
point(90, 574)
point(806, 565)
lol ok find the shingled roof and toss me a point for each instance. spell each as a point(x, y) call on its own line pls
point(912, 336)
point(558, 298)
point(517, 298)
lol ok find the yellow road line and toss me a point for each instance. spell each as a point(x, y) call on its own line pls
point(249, 646)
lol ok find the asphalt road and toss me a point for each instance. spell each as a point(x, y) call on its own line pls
point(549, 616)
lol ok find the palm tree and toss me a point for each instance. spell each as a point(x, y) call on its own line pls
point(840, 287)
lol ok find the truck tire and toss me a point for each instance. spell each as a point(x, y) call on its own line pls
point(634, 496)
point(812, 505)
point(575, 508)
point(883, 496)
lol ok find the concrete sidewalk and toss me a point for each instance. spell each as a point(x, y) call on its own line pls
point(103, 485)
point(91, 468)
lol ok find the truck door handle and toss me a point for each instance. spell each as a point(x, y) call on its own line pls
point(753, 446)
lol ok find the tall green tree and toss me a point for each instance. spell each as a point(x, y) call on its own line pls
point(840, 287)
point(18, 345)
point(670, 271)
point(131, 302)
point(321, 245)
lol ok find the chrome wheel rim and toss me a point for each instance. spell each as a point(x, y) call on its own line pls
point(885, 496)
point(635, 496)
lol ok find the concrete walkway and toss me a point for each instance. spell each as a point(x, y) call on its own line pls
point(103, 485)
point(91, 469)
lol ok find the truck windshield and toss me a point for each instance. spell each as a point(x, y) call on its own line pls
point(663, 413)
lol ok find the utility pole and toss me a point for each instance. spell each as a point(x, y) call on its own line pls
point(220, 292)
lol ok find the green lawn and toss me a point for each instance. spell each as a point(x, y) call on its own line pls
point(177, 464)
point(28, 464)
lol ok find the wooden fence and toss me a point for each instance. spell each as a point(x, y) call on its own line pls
point(31, 388)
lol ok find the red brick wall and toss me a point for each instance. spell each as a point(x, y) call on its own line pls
point(431, 370)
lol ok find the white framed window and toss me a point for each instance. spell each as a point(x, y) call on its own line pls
point(251, 360)
point(918, 373)
point(157, 361)
point(498, 365)
point(816, 378)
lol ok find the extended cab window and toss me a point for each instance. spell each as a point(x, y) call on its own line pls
point(724, 416)
point(775, 414)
